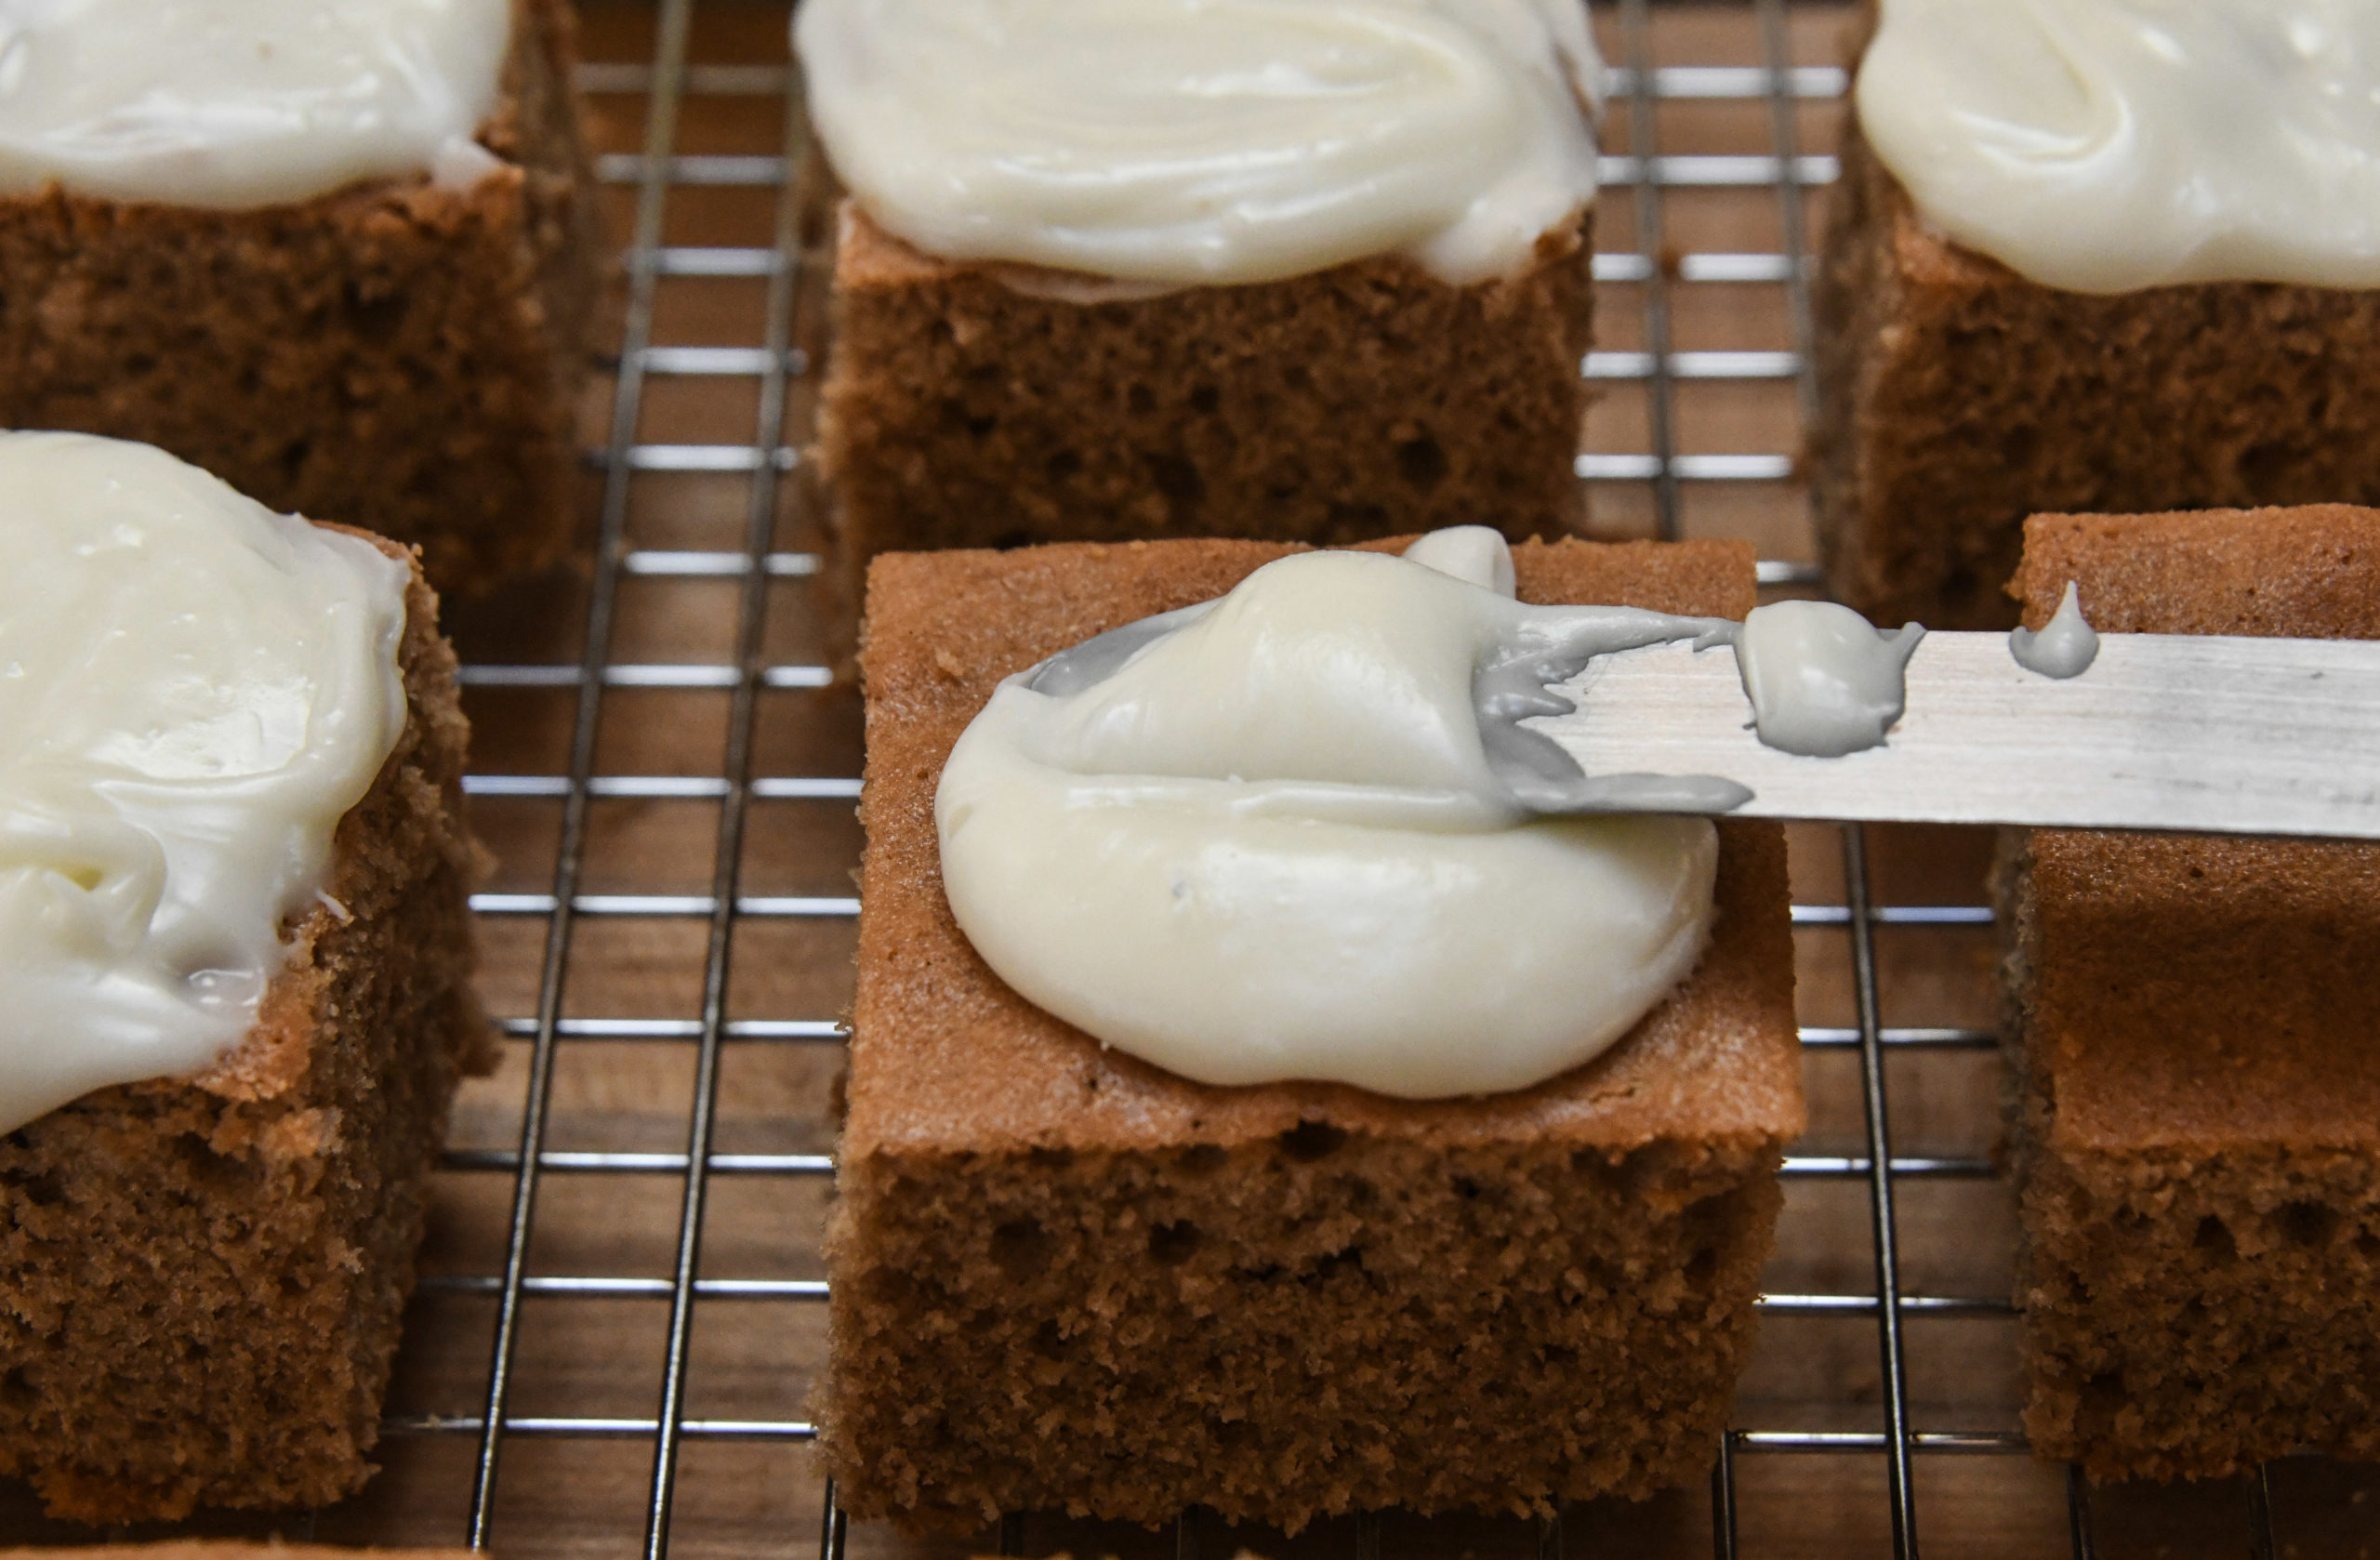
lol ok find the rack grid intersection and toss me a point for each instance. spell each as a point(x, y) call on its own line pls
point(792, 183)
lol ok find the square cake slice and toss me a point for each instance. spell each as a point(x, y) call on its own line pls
point(401, 354)
point(1958, 397)
point(989, 405)
point(201, 1278)
point(2196, 1034)
point(1062, 1278)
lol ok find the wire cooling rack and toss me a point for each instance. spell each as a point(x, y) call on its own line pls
point(620, 1316)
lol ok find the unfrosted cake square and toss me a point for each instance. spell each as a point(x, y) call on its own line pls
point(2197, 1043)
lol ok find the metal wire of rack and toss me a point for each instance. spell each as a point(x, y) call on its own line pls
point(1640, 87)
point(518, 1217)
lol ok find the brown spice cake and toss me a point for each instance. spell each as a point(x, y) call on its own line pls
point(201, 1277)
point(1065, 1278)
point(1957, 397)
point(2196, 1031)
point(406, 357)
point(987, 405)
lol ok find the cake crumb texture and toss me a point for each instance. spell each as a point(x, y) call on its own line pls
point(201, 1277)
point(1957, 398)
point(1065, 1279)
point(1371, 398)
point(397, 355)
point(2196, 1035)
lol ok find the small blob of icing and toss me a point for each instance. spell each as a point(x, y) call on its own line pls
point(241, 103)
point(461, 164)
point(1264, 840)
point(193, 691)
point(1470, 553)
point(2105, 146)
point(1822, 679)
point(1210, 141)
point(2067, 644)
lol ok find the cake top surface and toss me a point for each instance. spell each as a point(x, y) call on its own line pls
point(1180, 142)
point(193, 691)
point(243, 103)
point(2110, 145)
point(1302, 831)
point(945, 1057)
point(2195, 992)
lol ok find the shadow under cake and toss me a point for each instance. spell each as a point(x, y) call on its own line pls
point(1062, 1278)
point(2196, 1034)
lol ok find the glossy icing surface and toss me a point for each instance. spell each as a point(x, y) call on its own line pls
point(2109, 145)
point(1822, 679)
point(193, 691)
point(2066, 645)
point(1210, 141)
point(1263, 839)
point(242, 103)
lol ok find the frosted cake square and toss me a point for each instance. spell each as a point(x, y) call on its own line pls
point(1297, 273)
point(1064, 1278)
point(2051, 339)
point(398, 339)
point(223, 1106)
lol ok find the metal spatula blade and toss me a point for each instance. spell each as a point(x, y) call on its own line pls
point(2213, 735)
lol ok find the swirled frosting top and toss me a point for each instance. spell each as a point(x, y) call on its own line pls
point(193, 691)
point(1270, 837)
point(1209, 141)
point(241, 103)
point(2107, 145)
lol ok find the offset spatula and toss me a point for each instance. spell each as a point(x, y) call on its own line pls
point(2210, 734)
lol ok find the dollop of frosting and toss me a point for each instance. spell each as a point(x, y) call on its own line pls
point(193, 691)
point(1210, 141)
point(1822, 679)
point(1261, 839)
point(241, 103)
point(2066, 645)
point(2104, 146)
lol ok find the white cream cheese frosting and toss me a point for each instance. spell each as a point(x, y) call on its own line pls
point(1823, 680)
point(242, 103)
point(2109, 145)
point(193, 691)
point(1210, 141)
point(2066, 645)
point(1261, 840)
